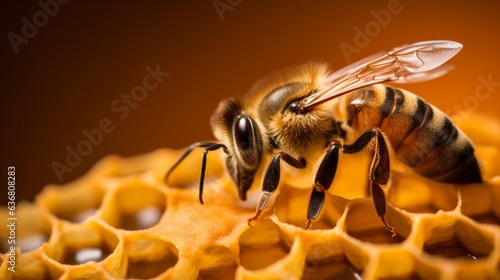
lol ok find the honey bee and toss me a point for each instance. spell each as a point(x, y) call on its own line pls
point(305, 119)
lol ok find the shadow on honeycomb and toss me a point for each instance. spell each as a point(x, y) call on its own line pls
point(120, 220)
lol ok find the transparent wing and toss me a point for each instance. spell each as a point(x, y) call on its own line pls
point(411, 63)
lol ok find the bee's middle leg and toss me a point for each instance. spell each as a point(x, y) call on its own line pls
point(272, 179)
point(322, 182)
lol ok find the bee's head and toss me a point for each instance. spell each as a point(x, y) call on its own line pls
point(241, 135)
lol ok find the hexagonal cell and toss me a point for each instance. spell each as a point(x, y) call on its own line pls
point(262, 245)
point(32, 229)
point(331, 267)
point(363, 223)
point(149, 257)
point(465, 242)
point(291, 207)
point(134, 205)
point(30, 266)
point(217, 262)
point(419, 195)
point(451, 236)
point(75, 245)
point(452, 248)
point(74, 202)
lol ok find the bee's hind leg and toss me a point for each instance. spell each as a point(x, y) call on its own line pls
point(380, 205)
point(322, 182)
point(272, 179)
point(379, 170)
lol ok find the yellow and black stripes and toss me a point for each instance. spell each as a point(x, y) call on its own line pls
point(422, 136)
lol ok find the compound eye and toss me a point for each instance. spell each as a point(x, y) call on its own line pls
point(247, 142)
point(243, 133)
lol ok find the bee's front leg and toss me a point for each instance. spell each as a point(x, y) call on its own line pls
point(272, 179)
point(209, 146)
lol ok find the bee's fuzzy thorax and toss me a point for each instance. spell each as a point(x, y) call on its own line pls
point(296, 134)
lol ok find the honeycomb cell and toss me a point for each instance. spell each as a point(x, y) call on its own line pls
point(217, 262)
point(134, 205)
point(465, 242)
point(450, 235)
point(419, 195)
point(335, 266)
point(84, 244)
point(148, 256)
point(30, 266)
point(363, 223)
point(32, 242)
point(74, 202)
point(291, 208)
point(330, 269)
point(452, 248)
point(32, 229)
point(261, 246)
point(80, 255)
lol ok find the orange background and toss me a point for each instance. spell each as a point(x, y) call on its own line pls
point(65, 78)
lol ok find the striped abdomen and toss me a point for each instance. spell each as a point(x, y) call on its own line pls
point(422, 136)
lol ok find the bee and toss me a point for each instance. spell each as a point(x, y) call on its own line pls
point(305, 119)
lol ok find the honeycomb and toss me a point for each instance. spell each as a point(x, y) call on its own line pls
point(121, 220)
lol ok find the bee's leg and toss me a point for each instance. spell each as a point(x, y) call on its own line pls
point(272, 179)
point(380, 205)
point(210, 146)
point(379, 170)
point(185, 154)
point(322, 182)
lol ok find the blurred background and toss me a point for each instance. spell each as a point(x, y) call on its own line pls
point(68, 67)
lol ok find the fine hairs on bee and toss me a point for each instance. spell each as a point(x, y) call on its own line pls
point(301, 121)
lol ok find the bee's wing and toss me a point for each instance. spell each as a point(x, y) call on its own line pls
point(406, 64)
